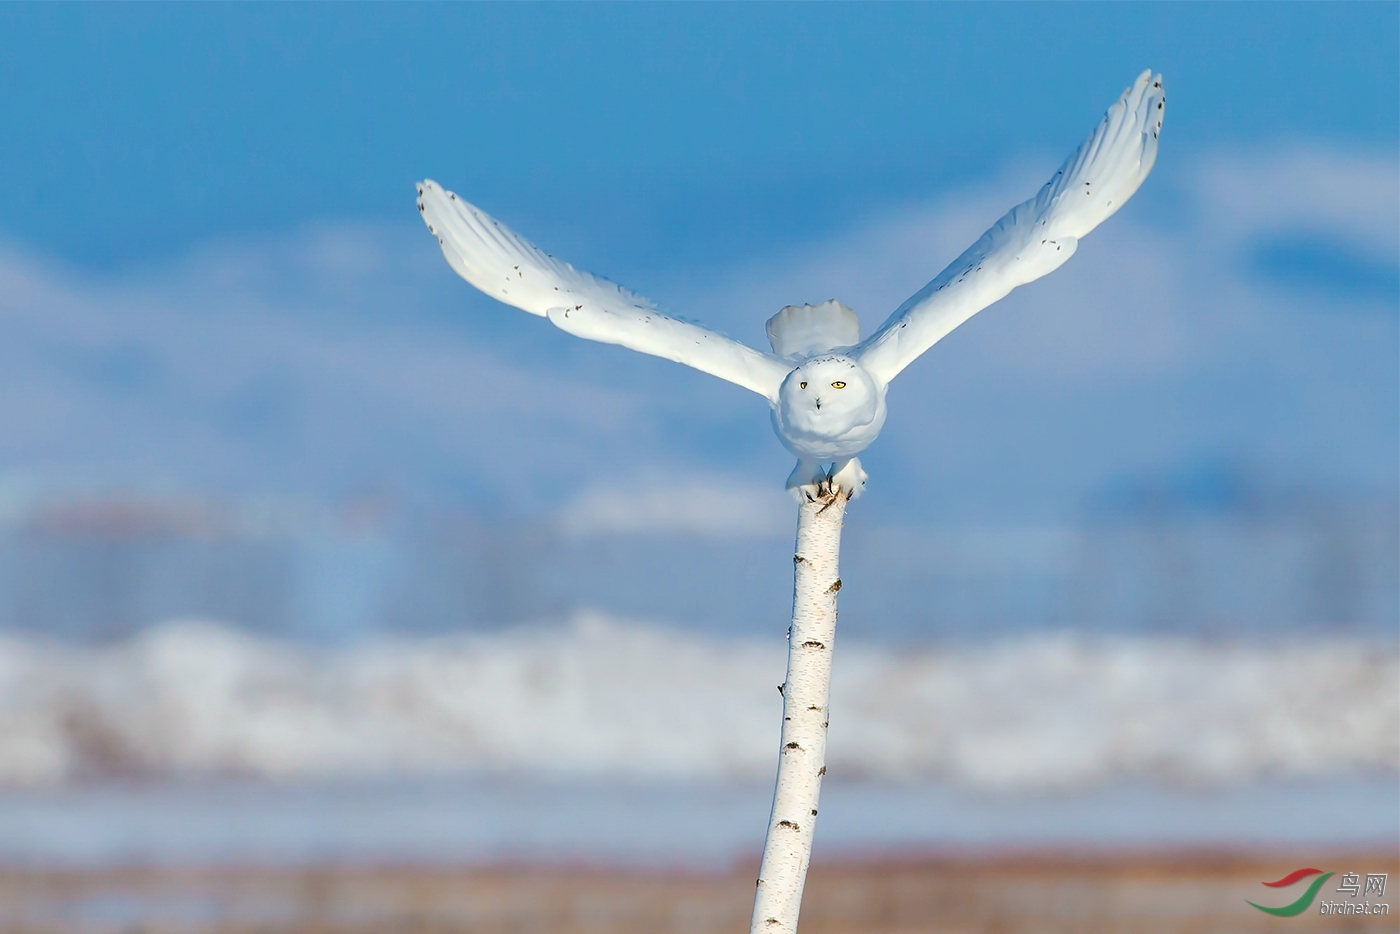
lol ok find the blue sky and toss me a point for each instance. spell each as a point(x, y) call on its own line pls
point(213, 276)
point(132, 130)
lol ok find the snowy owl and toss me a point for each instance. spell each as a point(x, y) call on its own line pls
point(825, 385)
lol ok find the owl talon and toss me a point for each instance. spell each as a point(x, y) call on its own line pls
point(847, 476)
point(810, 482)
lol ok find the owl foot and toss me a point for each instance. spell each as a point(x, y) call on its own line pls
point(806, 481)
point(847, 476)
point(810, 481)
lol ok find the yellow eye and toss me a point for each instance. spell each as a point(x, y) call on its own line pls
point(802, 385)
point(838, 385)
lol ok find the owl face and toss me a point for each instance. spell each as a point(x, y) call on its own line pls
point(828, 396)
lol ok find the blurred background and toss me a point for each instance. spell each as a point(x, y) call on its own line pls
point(312, 556)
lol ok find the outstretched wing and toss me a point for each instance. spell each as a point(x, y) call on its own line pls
point(511, 269)
point(1034, 238)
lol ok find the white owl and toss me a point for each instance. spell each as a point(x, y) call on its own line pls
point(825, 385)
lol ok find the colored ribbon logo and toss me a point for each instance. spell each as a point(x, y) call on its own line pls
point(1304, 901)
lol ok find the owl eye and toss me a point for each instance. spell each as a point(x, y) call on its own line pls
point(802, 385)
point(838, 385)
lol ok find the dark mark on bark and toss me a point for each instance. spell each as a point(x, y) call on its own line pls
point(836, 587)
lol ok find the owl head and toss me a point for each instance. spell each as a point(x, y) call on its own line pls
point(828, 394)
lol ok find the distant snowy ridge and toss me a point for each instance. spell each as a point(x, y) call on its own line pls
point(608, 699)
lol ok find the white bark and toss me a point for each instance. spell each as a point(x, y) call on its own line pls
point(802, 753)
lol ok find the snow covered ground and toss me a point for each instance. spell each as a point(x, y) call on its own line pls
point(610, 701)
point(199, 743)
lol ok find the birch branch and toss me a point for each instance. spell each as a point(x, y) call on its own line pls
point(787, 851)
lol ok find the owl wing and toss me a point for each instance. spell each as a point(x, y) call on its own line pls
point(511, 269)
point(1034, 238)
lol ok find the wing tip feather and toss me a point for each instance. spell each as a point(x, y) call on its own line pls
point(1132, 122)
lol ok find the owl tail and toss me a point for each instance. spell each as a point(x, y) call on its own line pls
point(804, 330)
